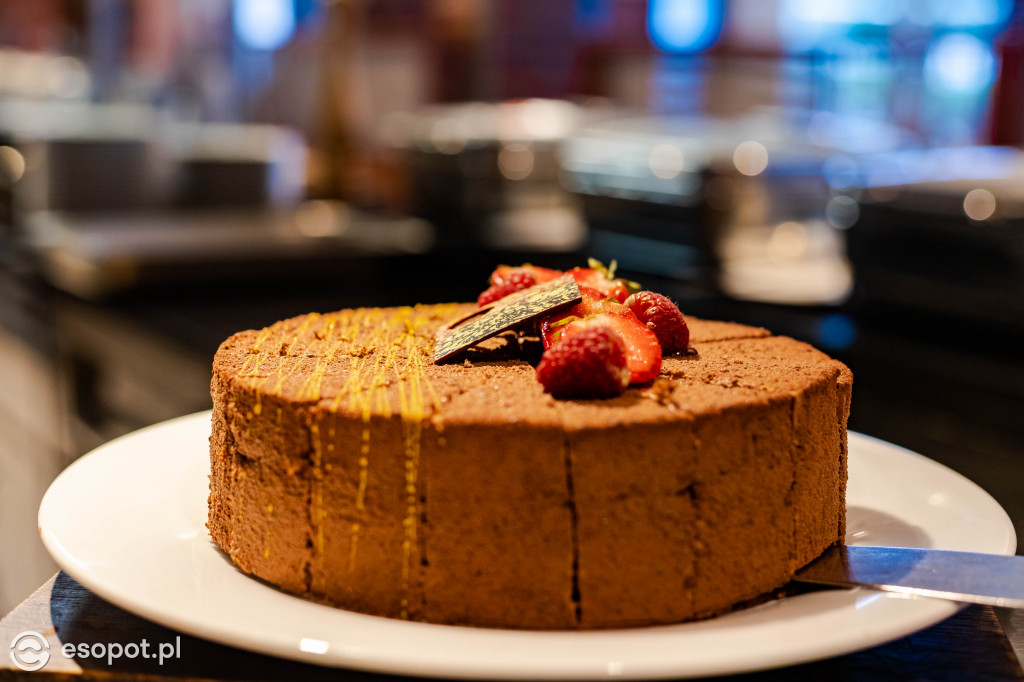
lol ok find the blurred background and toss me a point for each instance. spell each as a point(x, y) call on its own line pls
point(845, 172)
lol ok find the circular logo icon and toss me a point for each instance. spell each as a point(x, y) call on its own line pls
point(29, 651)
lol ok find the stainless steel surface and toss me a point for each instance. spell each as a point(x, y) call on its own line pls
point(757, 204)
point(1012, 621)
point(93, 255)
point(991, 579)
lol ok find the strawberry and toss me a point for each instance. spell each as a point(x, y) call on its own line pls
point(593, 302)
point(643, 353)
point(663, 318)
point(588, 364)
point(516, 281)
point(503, 273)
point(602, 279)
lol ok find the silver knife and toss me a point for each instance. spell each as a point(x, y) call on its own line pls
point(992, 579)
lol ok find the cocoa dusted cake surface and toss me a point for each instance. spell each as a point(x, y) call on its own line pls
point(350, 469)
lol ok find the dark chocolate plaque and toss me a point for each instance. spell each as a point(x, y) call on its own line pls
point(504, 314)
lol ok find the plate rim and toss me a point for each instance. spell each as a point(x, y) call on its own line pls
point(930, 611)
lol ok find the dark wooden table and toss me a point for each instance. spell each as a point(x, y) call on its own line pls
point(971, 645)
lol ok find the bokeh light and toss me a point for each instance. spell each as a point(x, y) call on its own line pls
point(685, 26)
point(666, 161)
point(750, 158)
point(979, 204)
point(264, 24)
point(959, 63)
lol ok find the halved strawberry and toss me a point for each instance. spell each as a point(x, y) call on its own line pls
point(503, 273)
point(643, 352)
point(602, 279)
point(593, 302)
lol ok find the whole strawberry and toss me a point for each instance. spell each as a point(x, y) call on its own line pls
point(663, 318)
point(588, 364)
point(514, 282)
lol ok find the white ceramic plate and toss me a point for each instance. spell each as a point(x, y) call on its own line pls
point(127, 521)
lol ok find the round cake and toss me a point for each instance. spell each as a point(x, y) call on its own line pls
point(350, 469)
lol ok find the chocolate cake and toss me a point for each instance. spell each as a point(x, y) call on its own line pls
point(350, 469)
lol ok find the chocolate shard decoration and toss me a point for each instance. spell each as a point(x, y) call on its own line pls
point(504, 314)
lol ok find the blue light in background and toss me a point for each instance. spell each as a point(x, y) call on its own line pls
point(973, 14)
point(961, 64)
point(806, 25)
point(684, 26)
point(264, 24)
point(837, 331)
point(842, 12)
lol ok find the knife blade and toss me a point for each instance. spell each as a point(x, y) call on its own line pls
point(992, 579)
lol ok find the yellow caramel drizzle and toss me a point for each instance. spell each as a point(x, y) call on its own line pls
point(254, 358)
point(255, 381)
point(411, 405)
point(366, 389)
point(285, 369)
point(352, 548)
point(250, 370)
point(310, 389)
point(374, 345)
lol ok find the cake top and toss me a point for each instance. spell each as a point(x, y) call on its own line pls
point(378, 362)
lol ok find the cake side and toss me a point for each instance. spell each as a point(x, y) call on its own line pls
point(348, 468)
point(260, 487)
point(723, 502)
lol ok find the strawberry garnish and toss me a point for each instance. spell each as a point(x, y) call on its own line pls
point(601, 278)
point(589, 364)
point(503, 273)
point(662, 317)
point(516, 281)
point(593, 303)
point(643, 352)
